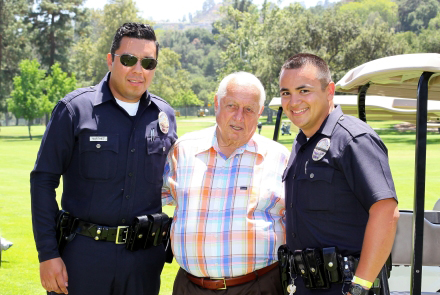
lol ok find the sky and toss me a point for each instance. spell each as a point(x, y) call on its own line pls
point(173, 10)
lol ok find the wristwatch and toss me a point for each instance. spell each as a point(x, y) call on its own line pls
point(357, 289)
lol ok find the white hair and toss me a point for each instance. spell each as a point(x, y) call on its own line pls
point(241, 78)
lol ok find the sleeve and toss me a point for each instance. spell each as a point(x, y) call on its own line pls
point(52, 160)
point(169, 180)
point(364, 163)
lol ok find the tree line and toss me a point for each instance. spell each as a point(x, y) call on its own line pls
point(64, 44)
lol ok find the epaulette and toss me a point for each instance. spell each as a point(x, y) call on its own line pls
point(355, 126)
point(68, 98)
point(159, 98)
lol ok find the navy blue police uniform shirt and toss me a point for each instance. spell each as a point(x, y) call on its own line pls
point(328, 199)
point(111, 163)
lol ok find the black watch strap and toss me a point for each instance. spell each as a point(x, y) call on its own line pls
point(356, 289)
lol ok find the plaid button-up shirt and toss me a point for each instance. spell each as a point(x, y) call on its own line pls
point(230, 212)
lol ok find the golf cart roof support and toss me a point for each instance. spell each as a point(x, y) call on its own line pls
point(361, 101)
point(277, 124)
point(419, 183)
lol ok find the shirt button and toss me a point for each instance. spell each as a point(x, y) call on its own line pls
point(341, 118)
point(127, 197)
point(312, 175)
point(98, 146)
point(130, 174)
point(133, 150)
point(294, 175)
point(291, 205)
point(293, 235)
point(123, 220)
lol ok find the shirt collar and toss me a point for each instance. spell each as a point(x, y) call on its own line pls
point(327, 126)
point(329, 123)
point(255, 144)
point(104, 94)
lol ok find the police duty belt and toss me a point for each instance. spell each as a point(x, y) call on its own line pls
point(319, 268)
point(146, 231)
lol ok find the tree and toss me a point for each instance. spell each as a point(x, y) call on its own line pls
point(14, 46)
point(369, 10)
point(27, 100)
point(165, 83)
point(53, 31)
point(185, 98)
point(414, 15)
point(57, 85)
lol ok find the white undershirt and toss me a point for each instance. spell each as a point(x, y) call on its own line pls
point(130, 108)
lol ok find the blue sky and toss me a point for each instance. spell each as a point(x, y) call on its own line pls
point(173, 10)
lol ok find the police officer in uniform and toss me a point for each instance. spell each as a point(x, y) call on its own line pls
point(339, 189)
point(109, 142)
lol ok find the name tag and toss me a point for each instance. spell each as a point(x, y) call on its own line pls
point(98, 138)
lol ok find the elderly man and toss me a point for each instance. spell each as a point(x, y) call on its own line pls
point(339, 183)
point(226, 184)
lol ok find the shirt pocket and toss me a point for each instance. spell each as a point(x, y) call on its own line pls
point(317, 188)
point(155, 157)
point(98, 156)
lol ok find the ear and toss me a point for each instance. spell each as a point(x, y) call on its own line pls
point(109, 61)
point(261, 111)
point(216, 103)
point(330, 90)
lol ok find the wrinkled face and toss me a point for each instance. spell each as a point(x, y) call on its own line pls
point(237, 115)
point(303, 100)
point(129, 83)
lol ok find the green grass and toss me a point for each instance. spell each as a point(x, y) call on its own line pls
point(19, 274)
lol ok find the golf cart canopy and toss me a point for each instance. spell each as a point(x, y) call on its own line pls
point(381, 108)
point(394, 76)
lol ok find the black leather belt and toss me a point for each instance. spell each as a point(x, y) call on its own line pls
point(116, 234)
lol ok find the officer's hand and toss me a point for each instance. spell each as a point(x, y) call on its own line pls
point(53, 275)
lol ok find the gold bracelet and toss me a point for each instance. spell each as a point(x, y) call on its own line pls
point(362, 282)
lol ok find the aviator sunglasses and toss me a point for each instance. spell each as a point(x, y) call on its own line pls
point(129, 60)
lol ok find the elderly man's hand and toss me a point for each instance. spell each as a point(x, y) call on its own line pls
point(53, 275)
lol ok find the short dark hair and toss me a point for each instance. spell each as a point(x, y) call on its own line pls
point(133, 30)
point(301, 59)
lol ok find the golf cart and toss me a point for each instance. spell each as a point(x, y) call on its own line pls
point(401, 86)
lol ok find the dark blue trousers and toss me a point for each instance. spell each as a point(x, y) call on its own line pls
point(104, 268)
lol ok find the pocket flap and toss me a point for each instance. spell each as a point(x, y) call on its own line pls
point(98, 142)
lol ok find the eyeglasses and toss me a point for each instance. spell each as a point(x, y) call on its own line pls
point(129, 60)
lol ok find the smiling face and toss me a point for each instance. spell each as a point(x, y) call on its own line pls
point(129, 83)
point(304, 101)
point(237, 116)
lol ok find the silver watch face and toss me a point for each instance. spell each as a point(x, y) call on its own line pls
point(357, 290)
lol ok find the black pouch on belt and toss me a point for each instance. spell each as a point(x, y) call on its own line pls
point(155, 236)
point(138, 233)
point(63, 229)
point(315, 265)
point(284, 266)
point(330, 256)
point(302, 268)
point(166, 231)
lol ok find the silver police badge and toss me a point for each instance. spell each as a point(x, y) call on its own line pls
point(164, 123)
point(321, 149)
